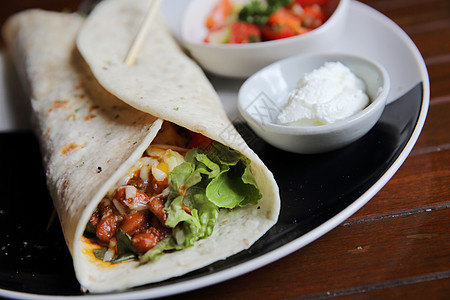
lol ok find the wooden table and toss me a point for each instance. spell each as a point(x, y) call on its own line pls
point(397, 245)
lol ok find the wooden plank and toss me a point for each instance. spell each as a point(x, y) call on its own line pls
point(357, 255)
point(431, 13)
point(407, 12)
point(435, 133)
point(426, 41)
point(410, 189)
point(439, 74)
point(434, 289)
point(424, 21)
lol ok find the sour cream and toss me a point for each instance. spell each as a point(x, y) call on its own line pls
point(326, 95)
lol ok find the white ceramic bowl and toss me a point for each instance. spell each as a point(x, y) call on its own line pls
point(262, 96)
point(242, 60)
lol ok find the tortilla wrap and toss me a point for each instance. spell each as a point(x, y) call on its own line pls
point(90, 138)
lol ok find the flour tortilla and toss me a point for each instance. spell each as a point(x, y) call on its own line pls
point(90, 138)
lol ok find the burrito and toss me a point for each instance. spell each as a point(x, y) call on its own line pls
point(148, 176)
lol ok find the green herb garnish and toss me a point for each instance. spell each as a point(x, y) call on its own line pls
point(258, 13)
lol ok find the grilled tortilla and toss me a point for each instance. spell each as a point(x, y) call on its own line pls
point(96, 118)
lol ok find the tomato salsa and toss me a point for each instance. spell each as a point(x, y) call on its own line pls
point(257, 21)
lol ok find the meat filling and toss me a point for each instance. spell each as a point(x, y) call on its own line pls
point(137, 205)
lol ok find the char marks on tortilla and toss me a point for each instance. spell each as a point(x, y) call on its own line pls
point(111, 116)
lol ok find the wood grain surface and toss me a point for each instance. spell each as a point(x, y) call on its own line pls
point(398, 245)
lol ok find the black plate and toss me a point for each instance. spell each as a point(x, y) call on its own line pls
point(314, 188)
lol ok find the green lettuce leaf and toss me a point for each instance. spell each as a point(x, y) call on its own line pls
point(206, 212)
point(224, 155)
point(176, 213)
point(209, 180)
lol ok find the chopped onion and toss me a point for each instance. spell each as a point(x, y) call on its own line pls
point(109, 254)
point(154, 151)
point(165, 192)
point(158, 174)
point(147, 163)
point(119, 207)
point(173, 160)
point(130, 192)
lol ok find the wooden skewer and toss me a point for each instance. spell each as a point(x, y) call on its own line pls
point(140, 37)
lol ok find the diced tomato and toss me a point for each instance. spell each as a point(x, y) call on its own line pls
point(313, 16)
point(234, 33)
point(285, 18)
point(311, 2)
point(297, 17)
point(244, 33)
point(282, 24)
point(277, 32)
point(199, 141)
point(219, 14)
